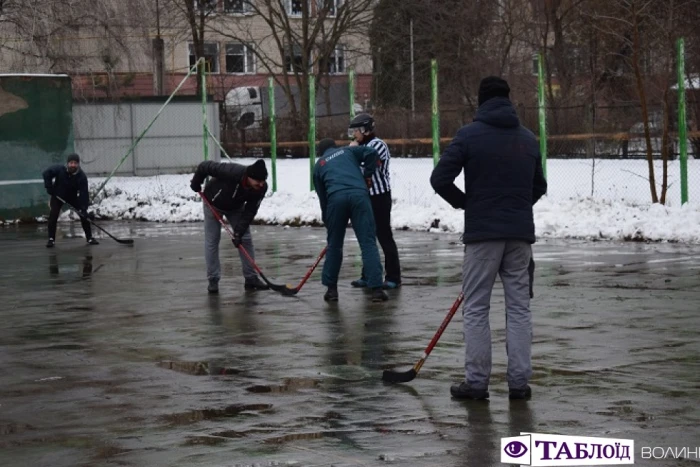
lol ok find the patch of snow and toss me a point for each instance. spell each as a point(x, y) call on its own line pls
point(607, 201)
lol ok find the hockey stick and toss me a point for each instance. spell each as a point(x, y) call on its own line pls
point(123, 241)
point(285, 290)
point(406, 376)
point(310, 271)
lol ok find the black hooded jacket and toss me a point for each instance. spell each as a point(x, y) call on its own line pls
point(228, 190)
point(71, 187)
point(503, 176)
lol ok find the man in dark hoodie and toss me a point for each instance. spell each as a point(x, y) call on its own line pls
point(236, 191)
point(69, 183)
point(503, 180)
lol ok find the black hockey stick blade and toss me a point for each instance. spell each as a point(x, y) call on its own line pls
point(399, 376)
point(283, 289)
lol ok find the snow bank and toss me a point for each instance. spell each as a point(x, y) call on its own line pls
point(608, 200)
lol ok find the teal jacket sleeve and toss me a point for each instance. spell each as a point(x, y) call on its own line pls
point(366, 156)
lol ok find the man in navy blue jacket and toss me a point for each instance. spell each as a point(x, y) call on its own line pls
point(69, 183)
point(503, 179)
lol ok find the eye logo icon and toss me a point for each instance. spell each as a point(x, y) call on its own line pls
point(515, 449)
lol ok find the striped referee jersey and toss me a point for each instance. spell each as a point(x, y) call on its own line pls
point(381, 180)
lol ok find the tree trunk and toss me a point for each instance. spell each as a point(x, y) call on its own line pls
point(645, 111)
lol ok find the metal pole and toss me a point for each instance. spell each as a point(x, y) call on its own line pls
point(435, 110)
point(148, 127)
point(273, 133)
point(413, 72)
point(204, 113)
point(682, 126)
point(542, 112)
point(312, 129)
point(351, 90)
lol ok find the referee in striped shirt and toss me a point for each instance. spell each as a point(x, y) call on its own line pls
point(362, 130)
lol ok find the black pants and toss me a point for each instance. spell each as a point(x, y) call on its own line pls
point(381, 206)
point(56, 206)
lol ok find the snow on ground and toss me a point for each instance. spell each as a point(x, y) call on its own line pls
point(608, 200)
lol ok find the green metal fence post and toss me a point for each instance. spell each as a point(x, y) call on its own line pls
point(682, 127)
point(351, 90)
point(273, 133)
point(312, 129)
point(204, 111)
point(435, 110)
point(542, 112)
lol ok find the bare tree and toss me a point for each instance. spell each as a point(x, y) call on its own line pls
point(74, 36)
point(298, 39)
point(648, 30)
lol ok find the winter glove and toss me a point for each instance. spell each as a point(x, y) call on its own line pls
point(196, 186)
point(237, 240)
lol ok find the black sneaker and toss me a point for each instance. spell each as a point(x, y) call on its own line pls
point(92, 241)
point(464, 392)
point(520, 393)
point(331, 294)
point(213, 286)
point(50, 243)
point(255, 284)
point(378, 295)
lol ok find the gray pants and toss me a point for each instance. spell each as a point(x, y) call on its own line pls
point(212, 237)
point(482, 261)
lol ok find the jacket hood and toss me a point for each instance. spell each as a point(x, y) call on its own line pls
point(498, 111)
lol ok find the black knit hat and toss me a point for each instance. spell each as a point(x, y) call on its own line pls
point(493, 86)
point(257, 171)
point(73, 157)
point(324, 145)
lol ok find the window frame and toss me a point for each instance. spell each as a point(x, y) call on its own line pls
point(191, 53)
point(333, 61)
point(245, 11)
point(249, 59)
point(288, 8)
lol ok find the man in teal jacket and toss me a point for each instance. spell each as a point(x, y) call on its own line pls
point(342, 189)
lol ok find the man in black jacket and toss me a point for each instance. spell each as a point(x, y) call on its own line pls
point(503, 179)
point(70, 183)
point(236, 191)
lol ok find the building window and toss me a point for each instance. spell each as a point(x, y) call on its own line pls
point(237, 6)
point(211, 56)
point(331, 6)
point(239, 59)
point(293, 61)
point(209, 6)
point(336, 61)
point(295, 7)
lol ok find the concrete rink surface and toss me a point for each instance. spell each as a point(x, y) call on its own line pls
point(116, 356)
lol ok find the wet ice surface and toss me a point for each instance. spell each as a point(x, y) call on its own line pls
point(115, 355)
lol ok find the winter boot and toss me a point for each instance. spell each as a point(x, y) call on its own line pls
point(378, 295)
point(391, 285)
point(359, 283)
point(520, 393)
point(331, 294)
point(50, 243)
point(92, 241)
point(465, 392)
point(213, 286)
point(255, 283)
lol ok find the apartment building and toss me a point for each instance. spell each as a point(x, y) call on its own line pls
point(133, 41)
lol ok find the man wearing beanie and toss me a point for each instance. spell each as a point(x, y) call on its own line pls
point(69, 183)
point(342, 188)
point(503, 180)
point(236, 191)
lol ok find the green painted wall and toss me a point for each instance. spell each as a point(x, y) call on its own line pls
point(36, 130)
